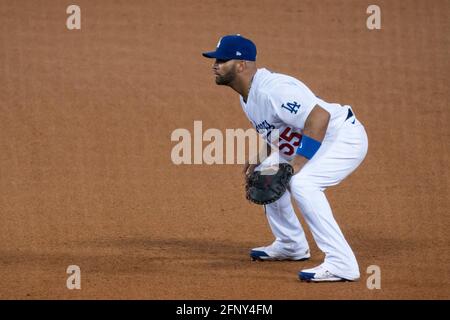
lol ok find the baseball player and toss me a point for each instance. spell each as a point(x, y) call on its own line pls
point(323, 141)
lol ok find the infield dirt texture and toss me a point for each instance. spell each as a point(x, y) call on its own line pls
point(86, 176)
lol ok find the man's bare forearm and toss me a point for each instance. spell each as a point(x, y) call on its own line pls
point(315, 127)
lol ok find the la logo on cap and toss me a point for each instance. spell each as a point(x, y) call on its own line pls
point(238, 53)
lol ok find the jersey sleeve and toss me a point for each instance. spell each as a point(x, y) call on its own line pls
point(292, 104)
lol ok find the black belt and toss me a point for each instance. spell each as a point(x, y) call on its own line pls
point(349, 114)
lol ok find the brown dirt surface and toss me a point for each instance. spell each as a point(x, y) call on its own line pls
point(86, 176)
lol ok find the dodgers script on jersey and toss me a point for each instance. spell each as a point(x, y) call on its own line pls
point(278, 101)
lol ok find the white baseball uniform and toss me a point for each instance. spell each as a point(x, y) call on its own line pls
point(278, 101)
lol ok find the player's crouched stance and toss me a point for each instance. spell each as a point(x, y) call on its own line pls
point(323, 141)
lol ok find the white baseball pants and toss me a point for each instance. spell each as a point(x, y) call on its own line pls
point(338, 156)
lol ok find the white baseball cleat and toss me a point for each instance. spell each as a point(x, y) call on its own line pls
point(320, 274)
point(276, 253)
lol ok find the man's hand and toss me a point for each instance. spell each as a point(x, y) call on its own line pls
point(263, 188)
point(248, 168)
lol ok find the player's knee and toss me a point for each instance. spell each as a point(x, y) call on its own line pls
point(302, 186)
point(301, 181)
point(302, 192)
point(279, 205)
point(273, 206)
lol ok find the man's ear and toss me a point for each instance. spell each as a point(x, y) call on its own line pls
point(241, 66)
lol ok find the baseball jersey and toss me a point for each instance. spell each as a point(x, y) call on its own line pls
point(278, 101)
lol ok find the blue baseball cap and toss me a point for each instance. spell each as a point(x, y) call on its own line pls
point(233, 47)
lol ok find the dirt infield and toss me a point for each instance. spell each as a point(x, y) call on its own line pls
point(86, 176)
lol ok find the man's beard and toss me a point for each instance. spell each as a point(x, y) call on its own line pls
point(226, 79)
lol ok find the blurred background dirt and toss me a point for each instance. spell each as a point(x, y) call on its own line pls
point(86, 176)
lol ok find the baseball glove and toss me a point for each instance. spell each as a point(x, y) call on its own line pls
point(267, 188)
